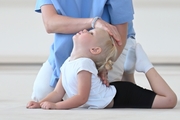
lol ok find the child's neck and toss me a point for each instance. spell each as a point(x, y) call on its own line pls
point(76, 55)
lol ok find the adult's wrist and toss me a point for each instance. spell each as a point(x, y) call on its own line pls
point(94, 21)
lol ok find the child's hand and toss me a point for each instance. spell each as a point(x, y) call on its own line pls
point(32, 105)
point(48, 105)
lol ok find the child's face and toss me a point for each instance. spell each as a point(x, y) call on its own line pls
point(90, 38)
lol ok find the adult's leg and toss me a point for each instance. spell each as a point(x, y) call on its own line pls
point(123, 68)
point(165, 97)
point(128, 77)
point(129, 64)
point(41, 84)
point(117, 73)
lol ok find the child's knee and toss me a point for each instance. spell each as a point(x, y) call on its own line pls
point(172, 101)
point(165, 102)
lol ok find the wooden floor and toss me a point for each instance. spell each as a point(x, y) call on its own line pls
point(16, 83)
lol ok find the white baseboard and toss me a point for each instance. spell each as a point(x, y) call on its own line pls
point(41, 59)
point(165, 59)
point(22, 59)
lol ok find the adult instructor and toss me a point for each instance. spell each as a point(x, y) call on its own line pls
point(64, 18)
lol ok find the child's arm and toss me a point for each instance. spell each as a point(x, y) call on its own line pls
point(84, 86)
point(57, 94)
point(49, 101)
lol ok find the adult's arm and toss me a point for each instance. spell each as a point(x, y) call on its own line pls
point(55, 23)
point(122, 29)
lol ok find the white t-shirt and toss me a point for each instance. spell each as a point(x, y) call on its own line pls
point(100, 95)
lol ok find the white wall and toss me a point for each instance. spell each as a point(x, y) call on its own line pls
point(23, 38)
point(22, 34)
point(157, 24)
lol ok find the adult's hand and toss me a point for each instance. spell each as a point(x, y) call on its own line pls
point(112, 30)
point(104, 77)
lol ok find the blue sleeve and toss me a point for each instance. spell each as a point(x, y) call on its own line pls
point(40, 3)
point(120, 11)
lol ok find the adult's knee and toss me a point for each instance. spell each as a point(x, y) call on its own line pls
point(40, 92)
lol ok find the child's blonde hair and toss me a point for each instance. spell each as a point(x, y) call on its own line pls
point(108, 55)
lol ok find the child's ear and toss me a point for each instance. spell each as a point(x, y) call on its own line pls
point(95, 50)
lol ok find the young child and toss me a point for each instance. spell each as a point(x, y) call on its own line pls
point(80, 81)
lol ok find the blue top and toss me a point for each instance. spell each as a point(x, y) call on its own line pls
point(112, 11)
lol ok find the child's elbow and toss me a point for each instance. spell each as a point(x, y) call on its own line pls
point(83, 100)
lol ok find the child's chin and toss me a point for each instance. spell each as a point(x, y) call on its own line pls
point(74, 37)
